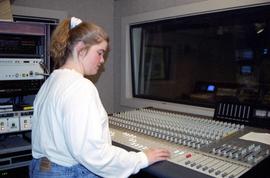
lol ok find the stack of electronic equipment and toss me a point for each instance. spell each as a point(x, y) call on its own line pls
point(23, 68)
point(15, 147)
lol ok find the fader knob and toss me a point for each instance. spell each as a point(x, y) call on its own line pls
point(204, 168)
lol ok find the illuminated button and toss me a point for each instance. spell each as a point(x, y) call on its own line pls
point(181, 152)
point(188, 155)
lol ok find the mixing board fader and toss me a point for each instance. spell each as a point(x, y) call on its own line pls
point(197, 143)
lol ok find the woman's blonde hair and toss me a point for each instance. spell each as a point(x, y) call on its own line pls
point(64, 38)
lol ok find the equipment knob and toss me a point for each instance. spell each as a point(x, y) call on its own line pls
point(204, 168)
point(214, 150)
point(257, 148)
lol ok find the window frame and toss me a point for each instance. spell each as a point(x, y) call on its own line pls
point(210, 6)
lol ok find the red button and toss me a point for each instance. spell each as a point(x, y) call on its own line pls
point(188, 155)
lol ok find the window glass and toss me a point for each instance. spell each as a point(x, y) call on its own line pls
point(203, 59)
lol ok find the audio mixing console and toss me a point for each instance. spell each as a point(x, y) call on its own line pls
point(199, 146)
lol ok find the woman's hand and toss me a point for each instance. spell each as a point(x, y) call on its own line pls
point(156, 154)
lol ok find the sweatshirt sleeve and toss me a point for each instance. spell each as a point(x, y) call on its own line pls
point(85, 125)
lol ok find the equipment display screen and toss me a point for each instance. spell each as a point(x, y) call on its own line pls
point(211, 88)
point(21, 46)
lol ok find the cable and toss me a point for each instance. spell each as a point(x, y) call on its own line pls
point(44, 74)
point(44, 67)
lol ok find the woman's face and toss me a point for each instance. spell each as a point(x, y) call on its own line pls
point(94, 58)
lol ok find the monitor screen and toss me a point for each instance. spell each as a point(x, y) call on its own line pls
point(246, 69)
point(210, 88)
point(244, 54)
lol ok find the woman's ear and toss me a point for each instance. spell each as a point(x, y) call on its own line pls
point(79, 49)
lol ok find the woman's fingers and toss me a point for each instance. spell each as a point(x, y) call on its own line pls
point(157, 154)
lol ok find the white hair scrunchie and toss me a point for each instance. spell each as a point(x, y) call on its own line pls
point(74, 22)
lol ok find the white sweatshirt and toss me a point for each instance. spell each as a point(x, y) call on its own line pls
point(70, 126)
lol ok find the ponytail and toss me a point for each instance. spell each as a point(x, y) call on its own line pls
point(68, 33)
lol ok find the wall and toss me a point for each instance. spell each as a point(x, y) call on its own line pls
point(98, 11)
point(107, 13)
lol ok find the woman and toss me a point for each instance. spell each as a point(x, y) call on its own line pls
point(70, 133)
